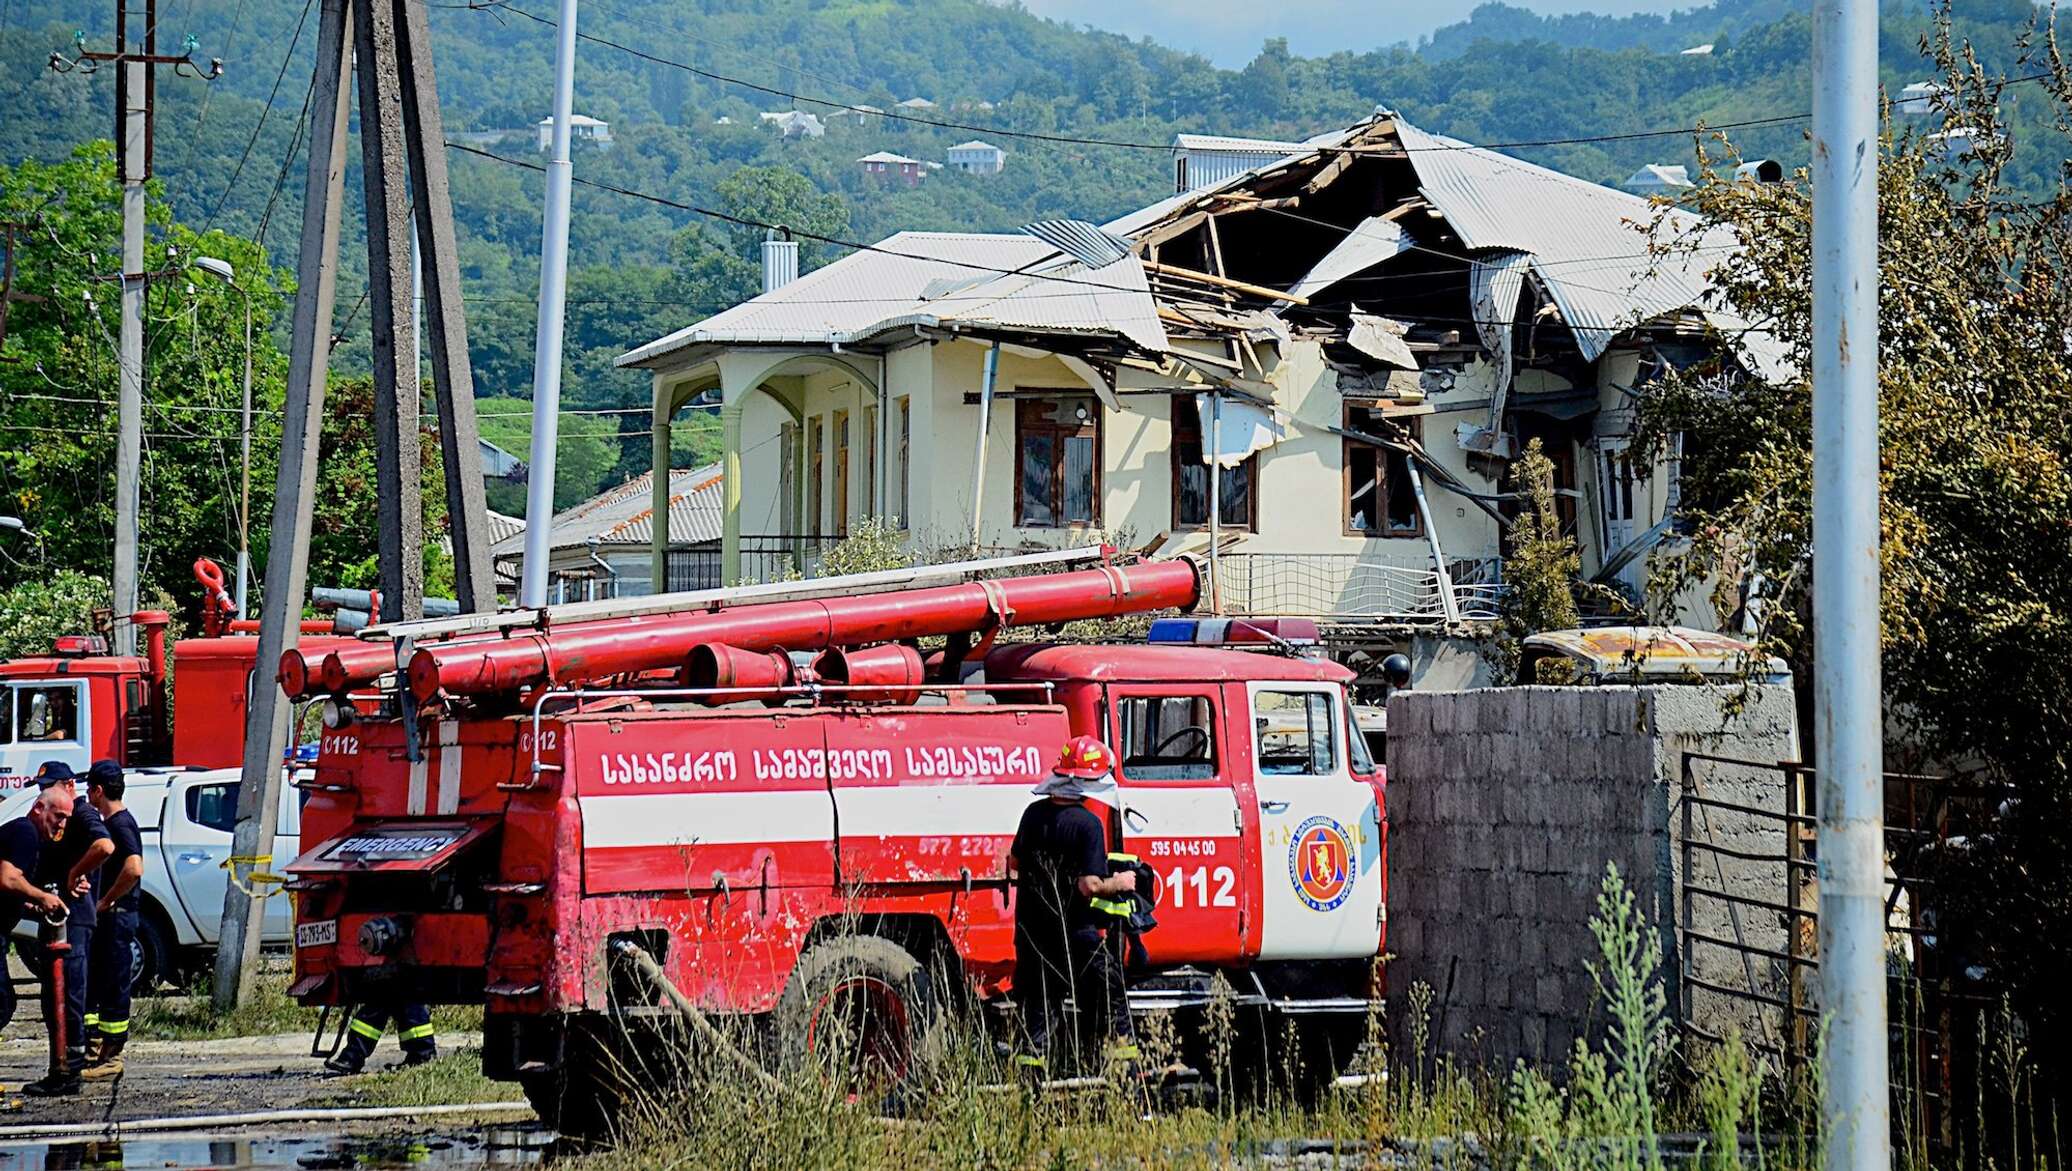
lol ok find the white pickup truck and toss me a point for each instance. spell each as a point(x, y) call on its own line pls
point(185, 817)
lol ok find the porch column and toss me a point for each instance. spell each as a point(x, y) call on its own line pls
point(730, 533)
point(665, 410)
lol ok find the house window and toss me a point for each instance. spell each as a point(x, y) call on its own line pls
point(1057, 472)
point(841, 428)
point(1191, 476)
point(816, 444)
point(1379, 500)
point(904, 407)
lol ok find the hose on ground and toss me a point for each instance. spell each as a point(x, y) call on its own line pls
point(691, 1013)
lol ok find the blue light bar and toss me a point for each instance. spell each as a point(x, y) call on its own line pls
point(1233, 631)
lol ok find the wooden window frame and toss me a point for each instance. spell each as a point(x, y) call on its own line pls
point(1182, 403)
point(905, 406)
point(839, 424)
point(1023, 428)
point(1416, 528)
point(816, 484)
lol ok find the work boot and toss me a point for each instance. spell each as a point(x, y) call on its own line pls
point(55, 1084)
point(423, 1056)
point(345, 1064)
point(94, 1041)
point(104, 1060)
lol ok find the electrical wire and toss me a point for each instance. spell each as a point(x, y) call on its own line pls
point(1122, 144)
point(287, 59)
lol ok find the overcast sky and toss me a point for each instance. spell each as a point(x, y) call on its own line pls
point(1229, 32)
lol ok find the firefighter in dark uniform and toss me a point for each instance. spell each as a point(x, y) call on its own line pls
point(68, 866)
point(364, 1026)
point(1065, 901)
point(22, 842)
point(113, 966)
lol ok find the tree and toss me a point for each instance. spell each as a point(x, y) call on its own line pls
point(585, 452)
point(1541, 571)
point(1975, 399)
point(59, 374)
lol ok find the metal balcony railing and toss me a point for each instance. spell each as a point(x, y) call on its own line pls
point(1350, 587)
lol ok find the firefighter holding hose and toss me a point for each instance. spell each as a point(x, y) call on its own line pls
point(1064, 904)
point(22, 842)
point(67, 866)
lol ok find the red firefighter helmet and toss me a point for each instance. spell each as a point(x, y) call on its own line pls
point(1085, 757)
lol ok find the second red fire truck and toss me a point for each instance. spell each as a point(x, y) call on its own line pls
point(802, 816)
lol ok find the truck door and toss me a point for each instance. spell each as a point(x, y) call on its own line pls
point(1180, 816)
point(200, 817)
point(46, 720)
point(1320, 834)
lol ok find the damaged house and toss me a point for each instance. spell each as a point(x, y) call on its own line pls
point(1317, 368)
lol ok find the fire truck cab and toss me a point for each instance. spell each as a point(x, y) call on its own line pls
point(840, 849)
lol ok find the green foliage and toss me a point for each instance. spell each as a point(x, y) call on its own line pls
point(871, 545)
point(1541, 571)
point(585, 453)
point(59, 376)
point(1975, 418)
point(38, 608)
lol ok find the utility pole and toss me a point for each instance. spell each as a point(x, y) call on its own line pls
point(136, 90)
point(1847, 683)
point(403, 151)
point(546, 355)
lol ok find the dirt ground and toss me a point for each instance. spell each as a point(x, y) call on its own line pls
point(163, 1078)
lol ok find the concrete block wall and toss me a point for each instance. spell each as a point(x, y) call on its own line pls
point(1505, 804)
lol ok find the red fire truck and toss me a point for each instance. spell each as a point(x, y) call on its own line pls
point(80, 704)
point(790, 841)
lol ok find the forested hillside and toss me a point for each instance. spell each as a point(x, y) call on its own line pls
point(1084, 115)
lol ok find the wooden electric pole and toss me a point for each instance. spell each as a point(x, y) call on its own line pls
point(136, 89)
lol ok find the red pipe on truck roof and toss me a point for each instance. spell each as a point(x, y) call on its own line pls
point(609, 647)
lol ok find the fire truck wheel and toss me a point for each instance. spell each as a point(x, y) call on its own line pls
point(862, 1006)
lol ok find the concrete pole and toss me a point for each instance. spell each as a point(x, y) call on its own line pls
point(978, 458)
point(129, 409)
point(1848, 714)
point(546, 365)
point(287, 562)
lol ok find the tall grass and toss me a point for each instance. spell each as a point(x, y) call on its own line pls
point(1629, 1100)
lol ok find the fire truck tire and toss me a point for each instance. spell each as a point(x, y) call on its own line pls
point(583, 1098)
point(867, 984)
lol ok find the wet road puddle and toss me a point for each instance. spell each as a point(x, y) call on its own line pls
point(494, 1146)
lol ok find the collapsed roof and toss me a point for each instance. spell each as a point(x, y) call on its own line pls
point(1445, 244)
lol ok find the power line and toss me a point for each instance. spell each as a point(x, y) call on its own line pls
point(287, 59)
point(1123, 144)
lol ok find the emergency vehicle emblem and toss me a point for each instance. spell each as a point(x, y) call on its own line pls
point(1321, 864)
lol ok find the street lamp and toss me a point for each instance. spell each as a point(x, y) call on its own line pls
point(223, 271)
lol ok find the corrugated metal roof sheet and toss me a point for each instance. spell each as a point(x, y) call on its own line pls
point(1589, 244)
point(845, 301)
point(1061, 297)
point(624, 515)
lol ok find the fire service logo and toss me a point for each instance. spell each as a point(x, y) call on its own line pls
point(1321, 865)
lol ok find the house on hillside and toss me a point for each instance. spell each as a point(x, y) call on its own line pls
point(1659, 179)
point(978, 158)
point(793, 123)
point(581, 128)
point(888, 167)
point(605, 547)
point(1322, 404)
point(1205, 160)
point(917, 106)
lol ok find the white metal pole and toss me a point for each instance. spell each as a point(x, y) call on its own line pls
point(1215, 501)
point(1847, 680)
point(546, 371)
point(244, 455)
point(978, 459)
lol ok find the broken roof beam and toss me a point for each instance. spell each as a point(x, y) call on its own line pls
point(1223, 282)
